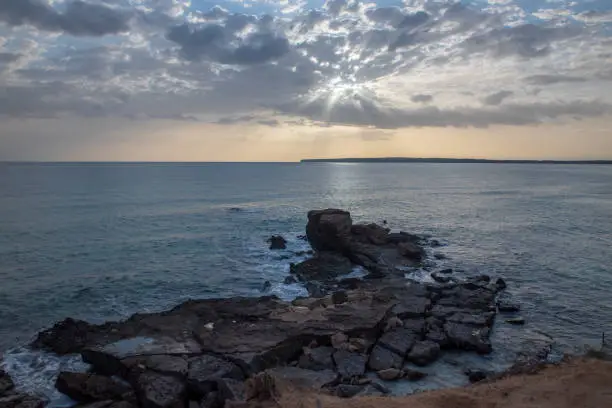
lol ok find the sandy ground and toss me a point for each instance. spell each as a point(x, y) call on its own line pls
point(578, 383)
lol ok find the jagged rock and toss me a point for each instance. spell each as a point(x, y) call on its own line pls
point(109, 359)
point(411, 250)
point(424, 353)
point(329, 230)
point(382, 358)
point(370, 234)
point(6, 383)
point(390, 374)
point(348, 390)
point(317, 359)
point(325, 265)
point(466, 337)
point(156, 390)
point(86, 387)
point(277, 242)
point(350, 364)
point(304, 379)
point(204, 372)
point(413, 375)
point(164, 364)
point(339, 297)
point(516, 321)
point(66, 337)
point(416, 326)
point(398, 340)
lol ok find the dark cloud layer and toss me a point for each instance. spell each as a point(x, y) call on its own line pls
point(78, 18)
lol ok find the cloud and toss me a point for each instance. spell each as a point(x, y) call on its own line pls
point(79, 18)
point(552, 79)
point(421, 98)
point(214, 42)
point(497, 98)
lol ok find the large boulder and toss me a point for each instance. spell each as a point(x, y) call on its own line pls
point(329, 230)
point(277, 242)
point(382, 359)
point(317, 359)
point(424, 353)
point(350, 364)
point(86, 387)
point(205, 371)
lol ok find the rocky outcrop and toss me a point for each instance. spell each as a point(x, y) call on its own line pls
point(277, 242)
point(216, 350)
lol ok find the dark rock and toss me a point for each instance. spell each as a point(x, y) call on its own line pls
point(482, 278)
point(382, 358)
point(6, 383)
point(315, 290)
point(317, 359)
point(399, 340)
point(350, 283)
point(506, 304)
point(401, 237)
point(160, 391)
point(302, 237)
point(339, 341)
point(204, 371)
point(230, 390)
point(65, 337)
point(329, 230)
point(277, 242)
point(439, 255)
point(476, 375)
point(435, 243)
point(410, 307)
point(413, 375)
point(211, 400)
point(411, 250)
point(516, 321)
point(467, 337)
point(390, 374)
point(164, 364)
point(324, 266)
point(424, 353)
point(339, 297)
point(445, 271)
point(500, 284)
point(304, 379)
point(370, 234)
point(473, 319)
point(86, 387)
point(16, 400)
point(289, 280)
point(359, 345)
point(440, 278)
point(348, 390)
point(109, 359)
point(350, 364)
point(434, 329)
point(266, 286)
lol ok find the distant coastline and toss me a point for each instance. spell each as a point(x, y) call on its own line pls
point(447, 160)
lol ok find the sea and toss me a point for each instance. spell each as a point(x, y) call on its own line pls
point(100, 241)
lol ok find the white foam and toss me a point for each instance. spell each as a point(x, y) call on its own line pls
point(35, 372)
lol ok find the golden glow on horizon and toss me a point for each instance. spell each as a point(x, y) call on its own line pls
point(186, 141)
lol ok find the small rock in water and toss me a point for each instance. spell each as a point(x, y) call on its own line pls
point(475, 375)
point(277, 242)
point(440, 278)
point(500, 283)
point(339, 297)
point(266, 286)
point(439, 255)
point(413, 375)
point(446, 271)
point(516, 321)
point(506, 304)
point(435, 243)
point(302, 237)
point(289, 280)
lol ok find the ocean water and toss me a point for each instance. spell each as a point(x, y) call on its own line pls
point(102, 241)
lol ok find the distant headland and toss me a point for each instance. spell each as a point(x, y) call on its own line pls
point(448, 160)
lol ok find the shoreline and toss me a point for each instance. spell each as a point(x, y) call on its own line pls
point(351, 337)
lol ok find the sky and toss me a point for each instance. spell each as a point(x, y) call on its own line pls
point(282, 80)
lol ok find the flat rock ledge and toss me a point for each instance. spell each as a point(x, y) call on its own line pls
point(204, 353)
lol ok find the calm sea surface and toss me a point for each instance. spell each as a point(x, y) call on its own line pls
point(102, 241)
